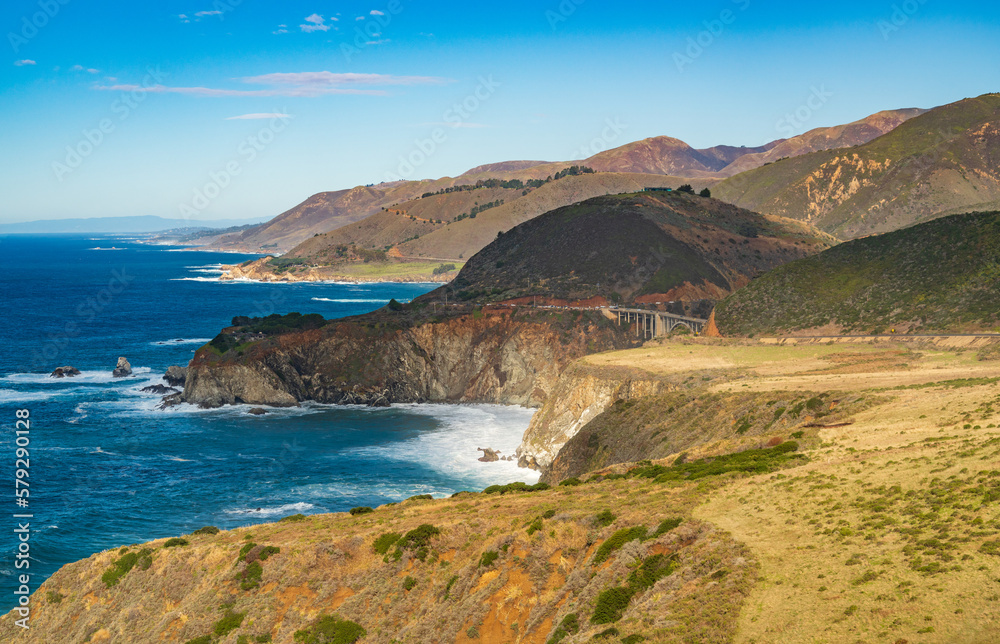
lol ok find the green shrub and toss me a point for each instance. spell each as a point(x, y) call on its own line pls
point(54, 598)
point(650, 571)
point(421, 497)
point(229, 623)
point(409, 583)
point(209, 529)
point(292, 518)
point(247, 547)
point(329, 629)
point(990, 548)
point(267, 551)
point(548, 514)
point(263, 639)
point(204, 639)
point(124, 564)
point(488, 558)
point(569, 625)
point(251, 575)
point(361, 509)
point(666, 526)
point(611, 604)
point(534, 526)
point(472, 633)
point(417, 540)
point(384, 542)
point(607, 633)
point(605, 518)
point(617, 540)
point(447, 588)
point(516, 487)
point(174, 542)
point(636, 638)
point(571, 481)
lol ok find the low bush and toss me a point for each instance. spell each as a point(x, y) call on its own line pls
point(175, 542)
point(250, 577)
point(204, 639)
point(666, 526)
point(617, 540)
point(229, 623)
point(292, 518)
point(516, 487)
point(605, 518)
point(571, 481)
point(384, 542)
point(361, 509)
point(330, 629)
point(409, 583)
point(209, 529)
point(124, 564)
point(488, 558)
point(570, 625)
point(611, 604)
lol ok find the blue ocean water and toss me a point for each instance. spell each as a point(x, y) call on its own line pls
point(107, 468)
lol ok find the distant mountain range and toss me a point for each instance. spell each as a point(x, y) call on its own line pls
point(138, 224)
point(658, 161)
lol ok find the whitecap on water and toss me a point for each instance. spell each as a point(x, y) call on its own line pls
point(180, 341)
point(273, 511)
point(354, 301)
point(451, 450)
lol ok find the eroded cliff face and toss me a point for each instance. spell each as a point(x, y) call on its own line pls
point(580, 395)
point(507, 357)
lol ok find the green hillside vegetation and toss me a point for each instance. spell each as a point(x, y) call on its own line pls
point(678, 245)
point(941, 276)
point(935, 163)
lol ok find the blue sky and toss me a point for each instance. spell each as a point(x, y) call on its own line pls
point(213, 109)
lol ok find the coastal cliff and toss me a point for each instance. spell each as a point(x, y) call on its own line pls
point(263, 270)
point(580, 395)
point(507, 356)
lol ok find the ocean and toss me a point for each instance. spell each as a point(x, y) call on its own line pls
point(107, 468)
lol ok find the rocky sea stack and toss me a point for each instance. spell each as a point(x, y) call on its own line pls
point(65, 372)
point(123, 369)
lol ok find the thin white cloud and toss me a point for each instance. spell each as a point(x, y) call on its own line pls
point(259, 116)
point(376, 12)
point(280, 31)
point(297, 84)
point(331, 79)
point(360, 18)
point(456, 126)
point(22, 63)
point(202, 14)
point(295, 92)
point(316, 23)
point(380, 41)
point(81, 68)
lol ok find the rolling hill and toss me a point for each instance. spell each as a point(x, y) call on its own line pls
point(659, 156)
point(940, 276)
point(945, 160)
point(646, 247)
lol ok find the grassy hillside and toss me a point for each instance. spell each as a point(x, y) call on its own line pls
point(941, 276)
point(940, 161)
point(667, 246)
point(866, 513)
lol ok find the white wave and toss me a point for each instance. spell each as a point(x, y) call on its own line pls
point(197, 279)
point(14, 396)
point(451, 449)
point(178, 341)
point(101, 451)
point(86, 377)
point(206, 266)
point(217, 271)
point(280, 510)
point(178, 459)
point(110, 248)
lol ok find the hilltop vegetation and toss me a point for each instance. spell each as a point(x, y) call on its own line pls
point(662, 246)
point(936, 163)
point(941, 276)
